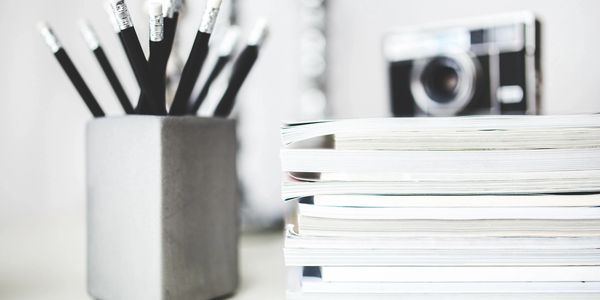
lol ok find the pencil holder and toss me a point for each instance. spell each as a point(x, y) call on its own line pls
point(162, 208)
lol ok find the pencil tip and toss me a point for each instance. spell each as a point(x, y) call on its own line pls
point(155, 8)
point(177, 5)
point(89, 35)
point(167, 8)
point(214, 4)
point(259, 33)
point(49, 36)
point(43, 26)
point(170, 7)
point(84, 25)
point(229, 41)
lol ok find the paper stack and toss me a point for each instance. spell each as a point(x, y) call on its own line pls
point(489, 207)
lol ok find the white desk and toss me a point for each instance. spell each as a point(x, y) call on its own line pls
point(45, 260)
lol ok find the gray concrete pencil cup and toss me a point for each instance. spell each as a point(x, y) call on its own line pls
point(162, 208)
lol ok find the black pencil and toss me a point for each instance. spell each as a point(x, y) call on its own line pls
point(157, 53)
point(226, 50)
point(170, 28)
point(149, 104)
point(171, 20)
point(67, 64)
point(196, 59)
point(93, 42)
point(115, 25)
point(241, 69)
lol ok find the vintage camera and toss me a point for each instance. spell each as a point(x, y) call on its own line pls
point(487, 65)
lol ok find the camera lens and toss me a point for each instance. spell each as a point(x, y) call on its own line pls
point(443, 85)
point(441, 79)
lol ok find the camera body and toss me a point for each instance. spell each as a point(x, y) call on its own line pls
point(486, 65)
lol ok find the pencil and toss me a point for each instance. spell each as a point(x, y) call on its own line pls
point(171, 20)
point(93, 42)
point(226, 49)
point(241, 69)
point(148, 103)
point(115, 25)
point(67, 64)
point(113, 21)
point(196, 59)
point(157, 53)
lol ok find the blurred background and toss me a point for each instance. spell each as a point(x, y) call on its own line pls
point(323, 59)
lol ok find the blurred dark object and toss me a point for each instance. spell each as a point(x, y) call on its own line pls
point(487, 65)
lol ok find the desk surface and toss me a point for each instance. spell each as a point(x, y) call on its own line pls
point(45, 260)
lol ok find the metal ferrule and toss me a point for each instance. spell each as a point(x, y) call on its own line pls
point(122, 15)
point(208, 20)
point(89, 36)
point(111, 16)
point(157, 28)
point(50, 39)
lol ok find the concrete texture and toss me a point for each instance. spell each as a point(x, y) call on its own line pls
point(162, 214)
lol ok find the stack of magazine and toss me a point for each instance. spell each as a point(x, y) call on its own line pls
point(487, 207)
